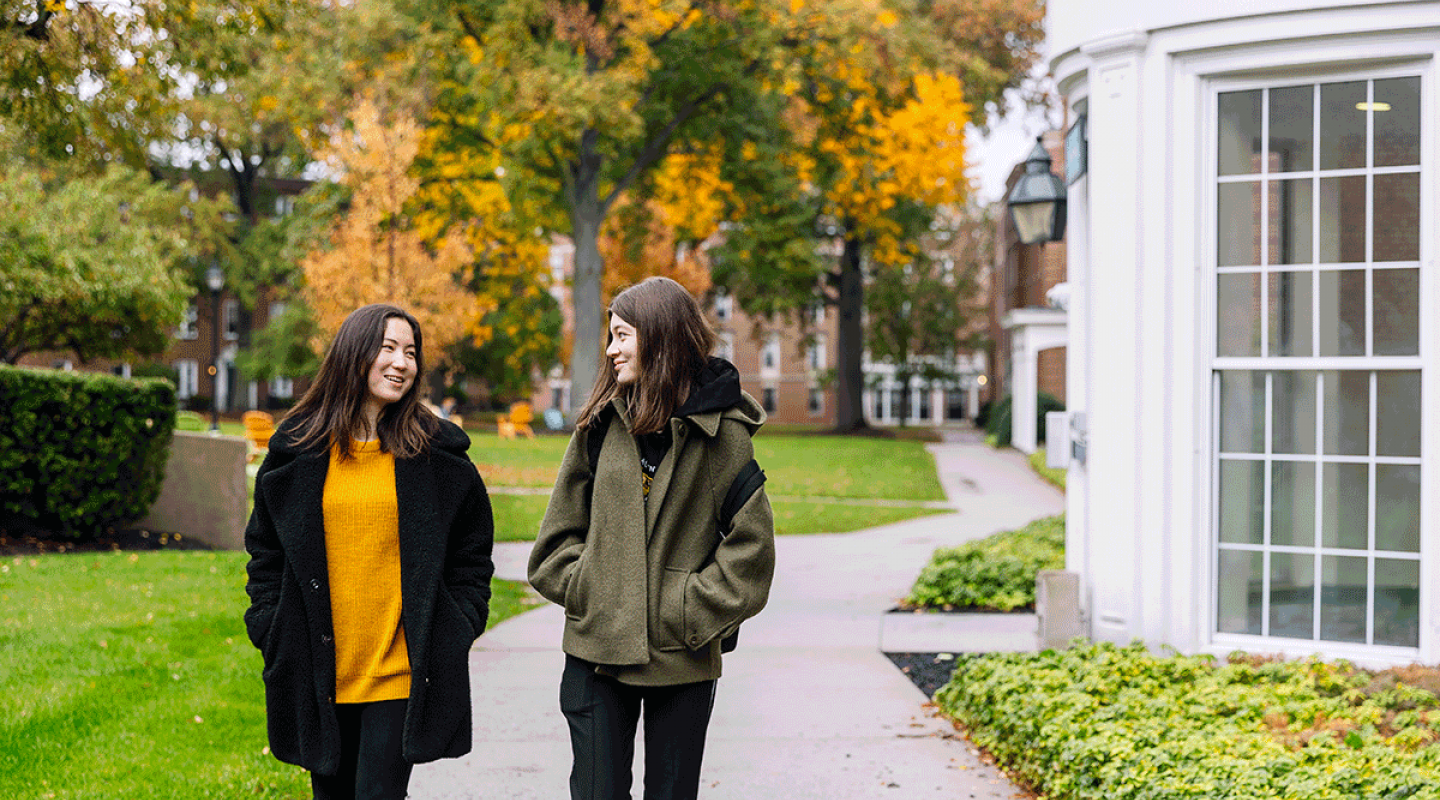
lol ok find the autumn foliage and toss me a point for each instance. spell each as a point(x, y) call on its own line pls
point(373, 255)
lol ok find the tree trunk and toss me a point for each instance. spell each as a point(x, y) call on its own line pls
point(850, 373)
point(586, 301)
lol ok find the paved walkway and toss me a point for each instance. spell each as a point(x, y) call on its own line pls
point(808, 707)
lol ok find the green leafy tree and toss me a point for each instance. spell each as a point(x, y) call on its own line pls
point(873, 148)
point(921, 313)
point(578, 103)
point(92, 264)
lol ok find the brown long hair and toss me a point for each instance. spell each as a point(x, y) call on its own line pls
point(331, 412)
point(674, 344)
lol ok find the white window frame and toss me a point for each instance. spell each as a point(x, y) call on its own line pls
point(230, 319)
point(770, 356)
point(1206, 248)
point(724, 306)
point(187, 378)
point(815, 353)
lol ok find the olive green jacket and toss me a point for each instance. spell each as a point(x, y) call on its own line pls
point(650, 587)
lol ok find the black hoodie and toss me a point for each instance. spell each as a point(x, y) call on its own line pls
point(716, 389)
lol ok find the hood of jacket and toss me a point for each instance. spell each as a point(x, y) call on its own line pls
point(716, 395)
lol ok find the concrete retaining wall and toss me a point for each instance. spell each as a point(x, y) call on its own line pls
point(204, 494)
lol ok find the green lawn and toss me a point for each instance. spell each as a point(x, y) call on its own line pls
point(805, 475)
point(128, 675)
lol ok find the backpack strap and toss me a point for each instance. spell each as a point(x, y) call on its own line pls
point(750, 479)
point(595, 439)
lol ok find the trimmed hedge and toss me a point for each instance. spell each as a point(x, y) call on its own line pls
point(996, 573)
point(80, 452)
point(1120, 723)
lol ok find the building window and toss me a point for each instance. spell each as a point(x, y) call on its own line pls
point(282, 388)
point(815, 353)
point(1316, 381)
point(277, 310)
point(817, 313)
point(187, 378)
point(284, 205)
point(769, 400)
point(187, 328)
point(770, 355)
point(724, 305)
point(230, 319)
point(817, 402)
point(725, 346)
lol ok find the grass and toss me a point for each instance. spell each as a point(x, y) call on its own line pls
point(1055, 476)
point(128, 675)
point(809, 479)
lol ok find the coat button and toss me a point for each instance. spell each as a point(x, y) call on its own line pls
point(315, 584)
point(694, 640)
point(326, 638)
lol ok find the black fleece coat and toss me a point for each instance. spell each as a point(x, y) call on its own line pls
point(446, 536)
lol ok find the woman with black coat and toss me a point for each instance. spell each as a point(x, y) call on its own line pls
point(369, 572)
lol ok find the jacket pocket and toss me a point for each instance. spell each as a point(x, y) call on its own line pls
point(671, 630)
point(576, 592)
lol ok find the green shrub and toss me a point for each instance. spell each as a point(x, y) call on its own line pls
point(80, 452)
point(1101, 721)
point(998, 423)
point(997, 572)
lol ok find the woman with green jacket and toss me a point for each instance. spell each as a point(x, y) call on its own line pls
point(634, 551)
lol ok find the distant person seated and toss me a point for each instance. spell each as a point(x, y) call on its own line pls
point(447, 411)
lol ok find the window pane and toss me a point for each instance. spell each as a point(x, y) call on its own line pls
point(1397, 602)
point(1342, 598)
point(1238, 224)
point(1397, 217)
point(1292, 129)
point(1292, 503)
point(1292, 417)
point(1342, 312)
point(1397, 423)
point(1345, 503)
point(1292, 595)
point(1291, 328)
point(1397, 312)
point(1290, 230)
point(1241, 586)
point(1239, 132)
point(1342, 220)
point(1237, 309)
point(1242, 501)
point(1242, 411)
point(1397, 130)
point(1347, 413)
point(1397, 507)
point(1342, 125)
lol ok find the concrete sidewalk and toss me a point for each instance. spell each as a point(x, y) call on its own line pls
point(809, 707)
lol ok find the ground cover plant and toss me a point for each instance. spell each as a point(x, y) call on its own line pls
point(996, 573)
point(128, 676)
point(1122, 723)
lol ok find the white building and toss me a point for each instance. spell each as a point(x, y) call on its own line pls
point(1253, 348)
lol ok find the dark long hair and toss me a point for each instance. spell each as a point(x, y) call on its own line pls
point(674, 345)
point(331, 412)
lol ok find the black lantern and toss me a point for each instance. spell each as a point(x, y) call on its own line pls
point(1037, 202)
point(215, 279)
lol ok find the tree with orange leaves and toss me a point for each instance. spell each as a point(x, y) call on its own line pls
point(373, 254)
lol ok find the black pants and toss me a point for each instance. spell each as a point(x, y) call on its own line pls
point(371, 764)
point(603, 714)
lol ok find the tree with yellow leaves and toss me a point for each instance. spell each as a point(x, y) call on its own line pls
point(873, 148)
point(373, 254)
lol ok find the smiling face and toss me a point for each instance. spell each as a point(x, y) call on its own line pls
point(624, 351)
point(393, 371)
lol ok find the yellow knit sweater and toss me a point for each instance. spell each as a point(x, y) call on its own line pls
point(362, 549)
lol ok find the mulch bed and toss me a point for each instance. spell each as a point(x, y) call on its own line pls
point(928, 671)
point(16, 543)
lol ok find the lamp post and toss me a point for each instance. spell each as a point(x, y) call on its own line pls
point(1037, 202)
point(215, 279)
